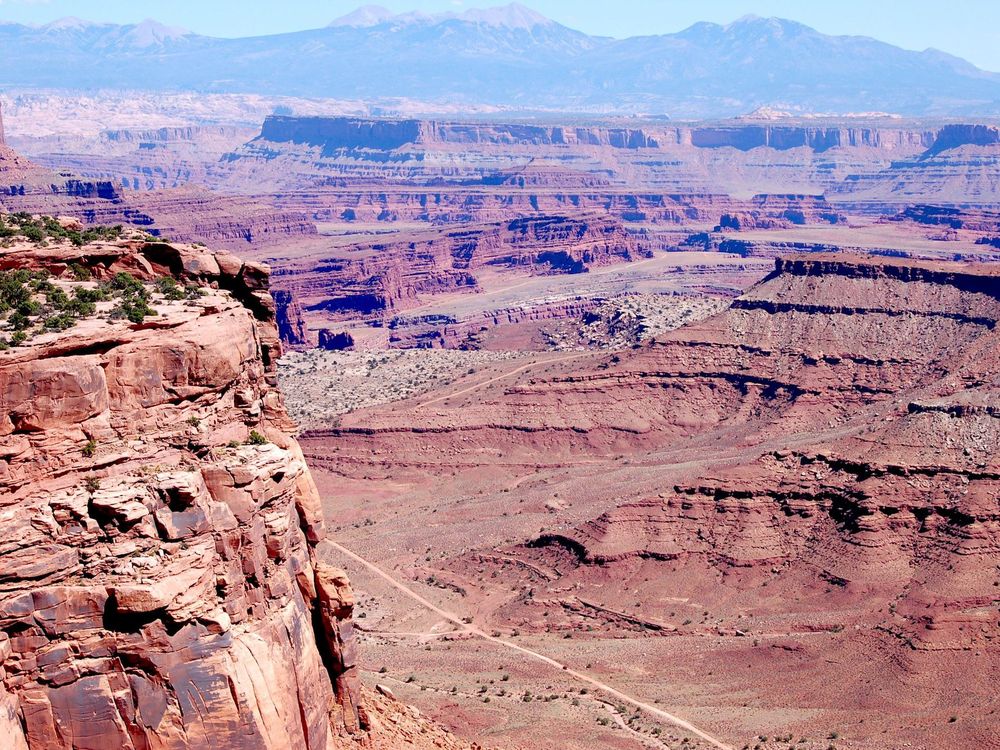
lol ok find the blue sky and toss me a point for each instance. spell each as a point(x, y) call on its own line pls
point(968, 28)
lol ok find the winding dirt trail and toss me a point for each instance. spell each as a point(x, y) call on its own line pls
point(504, 376)
point(580, 676)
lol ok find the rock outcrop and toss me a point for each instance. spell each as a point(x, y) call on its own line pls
point(376, 278)
point(188, 214)
point(334, 133)
point(160, 585)
point(293, 154)
point(821, 457)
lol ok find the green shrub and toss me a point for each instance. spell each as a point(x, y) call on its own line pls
point(256, 438)
point(33, 233)
point(128, 284)
point(60, 322)
point(169, 288)
point(30, 308)
point(89, 449)
point(90, 295)
point(13, 289)
point(18, 321)
point(79, 272)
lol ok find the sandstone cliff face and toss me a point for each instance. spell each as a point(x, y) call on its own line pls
point(187, 214)
point(333, 133)
point(378, 277)
point(736, 158)
point(158, 582)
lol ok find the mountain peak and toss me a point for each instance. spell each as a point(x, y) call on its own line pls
point(364, 17)
point(771, 23)
point(69, 23)
point(510, 16)
point(151, 33)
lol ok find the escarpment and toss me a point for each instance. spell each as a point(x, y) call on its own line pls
point(188, 214)
point(331, 133)
point(804, 484)
point(373, 278)
point(160, 582)
point(848, 402)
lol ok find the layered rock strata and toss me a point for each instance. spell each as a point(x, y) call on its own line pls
point(813, 469)
point(159, 578)
point(187, 215)
point(867, 383)
point(377, 277)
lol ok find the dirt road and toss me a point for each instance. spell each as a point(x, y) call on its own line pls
point(580, 676)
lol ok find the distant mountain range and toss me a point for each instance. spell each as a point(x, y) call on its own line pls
point(512, 57)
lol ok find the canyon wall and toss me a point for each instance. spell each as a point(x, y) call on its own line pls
point(332, 133)
point(866, 382)
point(868, 163)
point(188, 214)
point(377, 277)
point(160, 585)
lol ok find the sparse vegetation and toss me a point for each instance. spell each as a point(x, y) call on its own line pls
point(321, 386)
point(133, 298)
point(89, 449)
point(43, 229)
point(33, 302)
point(255, 438)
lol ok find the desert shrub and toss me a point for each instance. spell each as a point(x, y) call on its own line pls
point(59, 322)
point(18, 321)
point(14, 290)
point(256, 438)
point(33, 233)
point(169, 288)
point(80, 273)
point(126, 283)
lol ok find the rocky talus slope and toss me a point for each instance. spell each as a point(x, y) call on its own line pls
point(160, 583)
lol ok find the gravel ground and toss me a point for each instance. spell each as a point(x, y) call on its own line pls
point(319, 386)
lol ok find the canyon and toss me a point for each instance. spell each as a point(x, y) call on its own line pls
point(777, 511)
point(163, 576)
point(627, 432)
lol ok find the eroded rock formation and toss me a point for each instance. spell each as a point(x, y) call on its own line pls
point(820, 458)
point(188, 214)
point(159, 580)
point(377, 277)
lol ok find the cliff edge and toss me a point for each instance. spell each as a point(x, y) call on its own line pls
point(159, 586)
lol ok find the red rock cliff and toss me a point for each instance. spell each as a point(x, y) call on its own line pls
point(158, 584)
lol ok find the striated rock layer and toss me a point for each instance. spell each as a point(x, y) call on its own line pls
point(187, 214)
point(376, 277)
point(159, 582)
point(819, 458)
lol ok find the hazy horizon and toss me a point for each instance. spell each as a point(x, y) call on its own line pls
point(969, 31)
